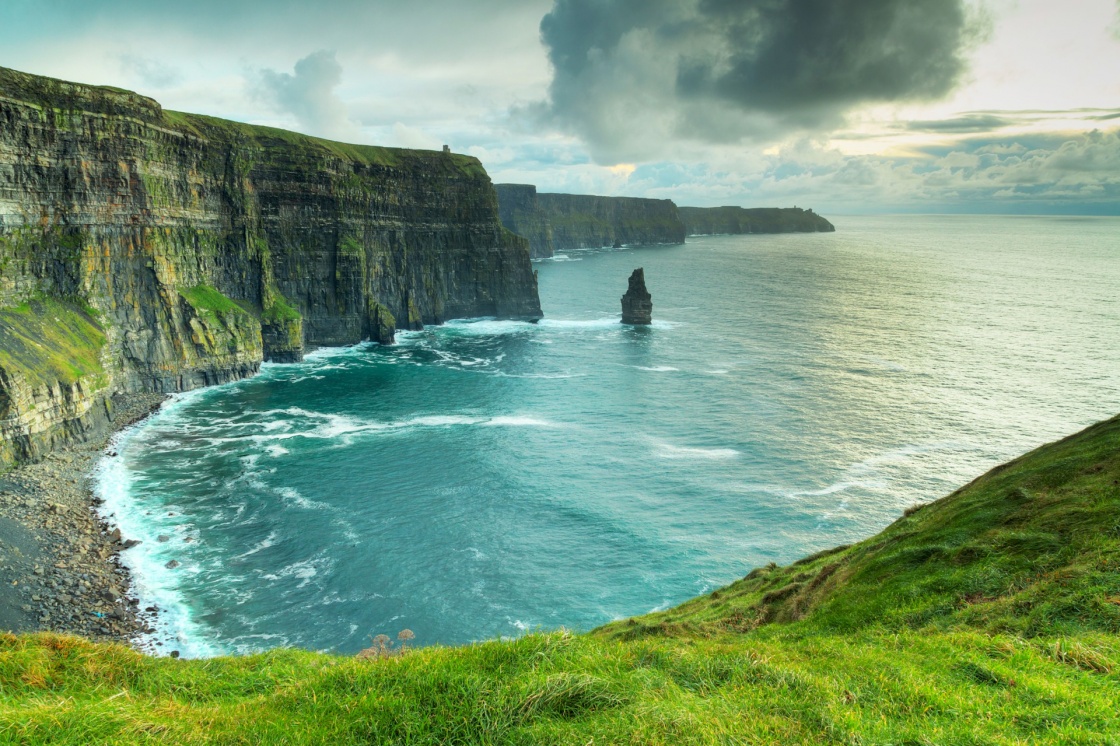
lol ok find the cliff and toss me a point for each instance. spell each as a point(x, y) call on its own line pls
point(561, 222)
point(167, 251)
point(521, 213)
point(706, 221)
point(990, 616)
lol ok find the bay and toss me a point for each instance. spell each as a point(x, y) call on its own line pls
point(485, 478)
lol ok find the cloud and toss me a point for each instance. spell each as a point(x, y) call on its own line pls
point(1077, 172)
point(149, 72)
point(309, 95)
point(630, 76)
point(961, 124)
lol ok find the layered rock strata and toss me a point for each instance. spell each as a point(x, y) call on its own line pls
point(708, 221)
point(521, 213)
point(637, 303)
point(562, 222)
point(177, 251)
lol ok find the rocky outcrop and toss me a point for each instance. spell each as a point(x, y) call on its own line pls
point(709, 221)
point(562, 222)
point(521, 213)
point(637, 303)
point(185, 250)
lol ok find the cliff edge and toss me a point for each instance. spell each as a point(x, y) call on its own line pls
point(144, 250)
point(710, 221)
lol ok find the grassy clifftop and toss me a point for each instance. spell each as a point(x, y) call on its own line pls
point(988, 617)
point(63, 98)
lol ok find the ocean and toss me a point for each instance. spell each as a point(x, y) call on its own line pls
point(489, 478)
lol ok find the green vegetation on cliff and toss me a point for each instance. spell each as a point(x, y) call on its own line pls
point(208, 300)
point(49, 341)
point(988, 617)
point(367, 155)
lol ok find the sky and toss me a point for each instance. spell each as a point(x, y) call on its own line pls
point(845, 106)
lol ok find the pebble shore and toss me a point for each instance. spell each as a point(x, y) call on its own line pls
point(60, 568)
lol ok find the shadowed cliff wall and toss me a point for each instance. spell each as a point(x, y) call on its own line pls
point(521, 213)
point(187, 249)
point(560, 222)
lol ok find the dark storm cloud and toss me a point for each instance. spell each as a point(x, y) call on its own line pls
point(725, 70)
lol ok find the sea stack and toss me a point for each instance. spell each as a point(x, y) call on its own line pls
point(637, 304)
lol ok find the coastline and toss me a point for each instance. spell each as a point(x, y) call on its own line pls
point(60, 564)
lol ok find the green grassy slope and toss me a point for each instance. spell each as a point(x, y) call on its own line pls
point(989, 617)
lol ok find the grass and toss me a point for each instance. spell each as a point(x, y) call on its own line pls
point(367, 155)
point(988, 617)
point(280, 310)
point(209, 300)
point(45, 341)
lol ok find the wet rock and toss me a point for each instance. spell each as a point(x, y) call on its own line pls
point(637, 304)
point(172, 564)
point(163, 538)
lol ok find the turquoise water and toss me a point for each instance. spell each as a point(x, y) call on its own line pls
point(486, 478)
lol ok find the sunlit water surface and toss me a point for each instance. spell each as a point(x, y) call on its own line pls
point(485, 478)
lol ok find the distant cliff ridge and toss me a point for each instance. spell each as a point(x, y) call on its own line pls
point(147, 250)
point(705, 221)
point(561, 222)
point(520, 211)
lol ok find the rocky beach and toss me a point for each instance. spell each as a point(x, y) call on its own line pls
point(60, 568)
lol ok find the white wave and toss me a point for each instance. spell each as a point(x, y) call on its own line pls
point(518, 421)
point(602, 323)
point(260, 546)
point(546, 376)
point(330, 353)
point(153, 583)
point(657, 369)
point(667, 450)
point(484, 327)
point(326, 426)
point(292, 495)
point(438, 421)
point(303, 571)
point(834, 488)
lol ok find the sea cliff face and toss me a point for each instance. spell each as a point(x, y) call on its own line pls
point(560, 222)
point(707, 221)
point(521, 213)
point(167, 251)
